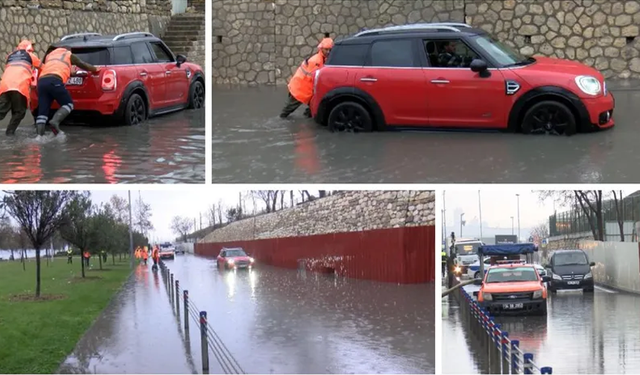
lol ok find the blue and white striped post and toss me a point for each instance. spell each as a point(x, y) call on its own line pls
point(528, 361)
point(515, 360)
point(546, 370)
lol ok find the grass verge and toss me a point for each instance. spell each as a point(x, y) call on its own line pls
point(36, 335)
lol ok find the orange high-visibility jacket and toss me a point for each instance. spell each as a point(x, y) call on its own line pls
point(155, 254)
point(301, 84)
point(18, 72)
point(58, 62)
point(145, 255)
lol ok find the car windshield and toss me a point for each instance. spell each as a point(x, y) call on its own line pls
point(570, 259)
point(502, 53)
point(508, 275)
point(93, 56)
point(236, 253)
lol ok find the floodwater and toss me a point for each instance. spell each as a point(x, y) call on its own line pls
point(583, 333)
point(166, 149)
point(251, 144)
point(136, 334)
point(275, 320)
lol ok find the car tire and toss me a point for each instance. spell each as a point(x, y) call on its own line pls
point(558, 117)
point(350, 117)
point(476, 275)
point(196, 95)
point(136, 110)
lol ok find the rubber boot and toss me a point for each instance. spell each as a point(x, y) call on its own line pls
point(40, 129)
point(57, 119)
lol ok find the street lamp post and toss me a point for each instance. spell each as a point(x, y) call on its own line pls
point(461, 224)
point(512, 225)
point(518, 200)
point(130, 234)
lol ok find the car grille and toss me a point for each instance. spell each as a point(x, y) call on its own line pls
point(242, 263)
point(512, 296)
point(572, 277)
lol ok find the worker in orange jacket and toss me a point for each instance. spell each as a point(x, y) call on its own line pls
point(301, 84)
point(55, 73)
point(155, 255)
point(16, 84)
point(145, 256)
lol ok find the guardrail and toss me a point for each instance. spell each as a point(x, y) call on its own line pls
point(209, 339)
point(505, 353)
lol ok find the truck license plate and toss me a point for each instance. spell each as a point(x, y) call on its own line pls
point(573, 282)
point(513, 306)
point(75, 81)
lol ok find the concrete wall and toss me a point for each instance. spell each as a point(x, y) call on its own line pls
point(347, 211)
point(617, 264)
point(263, 41)
point(52, 19)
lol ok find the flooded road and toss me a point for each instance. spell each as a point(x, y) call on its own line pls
point(283, 321)
point(592, 333)
point(252, 144)
point(165, 149)
point(125, 338)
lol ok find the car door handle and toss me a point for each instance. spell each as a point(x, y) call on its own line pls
point(143, 74)
point(368, 79)
point(440, 82)
point(168, 72)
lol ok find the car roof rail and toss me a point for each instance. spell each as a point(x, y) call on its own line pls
point(132, 35)
point(79, 35)
point(445, 26)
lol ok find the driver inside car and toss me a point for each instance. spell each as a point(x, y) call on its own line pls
point(448, 58)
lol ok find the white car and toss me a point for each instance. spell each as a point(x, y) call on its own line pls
point(473, 271)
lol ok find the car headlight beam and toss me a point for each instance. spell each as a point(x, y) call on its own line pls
point(537, 294)
point(487, 296)
point(589, 85)
point(556, 277)
point(588, 276)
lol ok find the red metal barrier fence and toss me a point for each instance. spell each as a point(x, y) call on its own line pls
point(399, 255)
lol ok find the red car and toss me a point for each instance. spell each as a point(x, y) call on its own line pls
point(450, 75)
point(140, 77)
point(234, 258)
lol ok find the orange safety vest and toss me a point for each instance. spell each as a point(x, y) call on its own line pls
point(18, 72)
point(145, 255)
point(155, 254)
point(58, 62)
point(87, 254)
point(301, 84)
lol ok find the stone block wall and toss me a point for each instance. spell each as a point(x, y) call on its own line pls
point(263, 41)
point(342, 212)
point(46, 21)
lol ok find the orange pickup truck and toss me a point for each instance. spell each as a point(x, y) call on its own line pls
point(513, 288)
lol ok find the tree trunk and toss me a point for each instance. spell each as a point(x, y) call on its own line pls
point(82, 261)
point(100, 260)
point(37, 271)
point(113, 259)
point(588, 213)
point(291, 197)
point(24, 261)
point(619, 215)
point(599, 216)
point(12, 257)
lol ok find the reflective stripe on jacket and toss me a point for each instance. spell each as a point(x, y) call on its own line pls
point(18, 72)
point(58, 63)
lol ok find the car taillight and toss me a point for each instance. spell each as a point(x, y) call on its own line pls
point(315, 81)
point(109, 80)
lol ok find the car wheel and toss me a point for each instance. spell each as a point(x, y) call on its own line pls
point(136, 111)
point(549, 117)
point(350, 117)
point(196, 95)
point(476, 275)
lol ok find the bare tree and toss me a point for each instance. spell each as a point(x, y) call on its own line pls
point(619, 203)
point(304, 194)
point(142, 217)
point(40, 214)
point(219, 209)
point(590, 203)
point(76, 226)
point(540, 231)
point(181, 226)
point(211, 215)
point(120, 208)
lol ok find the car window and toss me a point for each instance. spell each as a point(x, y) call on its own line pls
point(502, 53)
point(141, 53)
point(93, 56)
point(515, 274)
point(570, 259)
point(162, 55)
point(122, 55)
point(396, 53)
point(449, 53)
point(236, 253)
point(348, 55)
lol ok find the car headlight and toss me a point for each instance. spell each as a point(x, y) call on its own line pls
point(556, 277)
point(589, 85)
point(604, 88)
point(457, 269)
point(251, 260)
point(537, 294)
point(231, 261)
point(487, 296)
point(588, 276)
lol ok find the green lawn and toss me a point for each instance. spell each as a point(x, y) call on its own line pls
point(35, 336)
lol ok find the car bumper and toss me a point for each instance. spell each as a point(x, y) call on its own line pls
point(571, 284)
point(515, 306)
point(105, 105)
point(601, 111)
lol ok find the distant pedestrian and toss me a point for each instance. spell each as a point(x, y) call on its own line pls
point(69, 256)
point(104, 256)
point(87, 258)
point(145, 256)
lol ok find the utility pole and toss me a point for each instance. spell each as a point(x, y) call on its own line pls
point(461, 224)
point(480, 208)
point(130, 234)
point(512, 225)
point(518, 200)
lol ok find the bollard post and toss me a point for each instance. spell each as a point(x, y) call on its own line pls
point(505, 358)
point(204, 340)
point(185, 297)
point(528, 359)
point(546, 370)
point(515, 366)
point(171, 291)
point(178, 298)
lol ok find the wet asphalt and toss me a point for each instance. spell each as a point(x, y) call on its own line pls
point(276, 320)
point(166, 149)
point(251, 144)
point(583, 333)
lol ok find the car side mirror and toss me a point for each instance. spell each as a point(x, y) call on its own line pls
point(477, 282)
point(480, 67)
point(181, 59)
point(546, 279)
point(475, 294)
point(592, 264)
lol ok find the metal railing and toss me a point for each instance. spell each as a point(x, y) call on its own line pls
point(209, 339)
point(504, 353)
